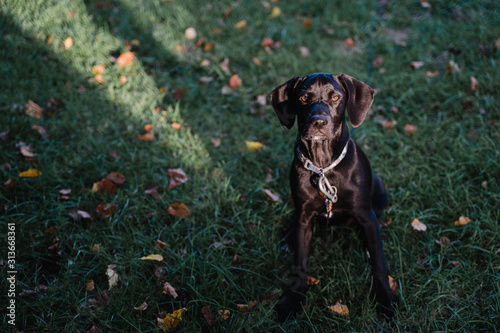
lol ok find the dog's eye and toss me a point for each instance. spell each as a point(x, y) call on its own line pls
point(335, 98)
point(303, 98)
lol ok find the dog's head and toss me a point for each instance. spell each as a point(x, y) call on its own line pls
point(319, 102)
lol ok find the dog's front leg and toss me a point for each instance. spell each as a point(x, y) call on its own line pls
point(291, 301)
point(371, 230)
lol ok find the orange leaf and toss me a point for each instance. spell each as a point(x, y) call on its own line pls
point(176, 126)
point(68, 43)
point(410, 129)
point(312, 281)
point(307, 23)
point(241, 24)
point(349, 43)
point(89, 286)
point(176, 177)
point(179, 210)
point(234, 81)
point(267, 42)
point(98, 69)
point(215, 142)
point(393, 285)
point(149, 136)
point(125, 59)
point(340, 309)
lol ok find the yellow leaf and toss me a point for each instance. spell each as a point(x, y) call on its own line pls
point(31, 173)
point(253, 145)
point(157, 257)
point(393, 285)
point(417, 225)
point(275, 12)
point(224, 314)
point(340, 309)
point(241, 24)
point(171, 320)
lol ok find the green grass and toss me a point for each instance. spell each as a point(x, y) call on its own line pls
point(447, 169)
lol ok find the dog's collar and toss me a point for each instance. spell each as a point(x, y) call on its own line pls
point(310, 166)
point(324, 186)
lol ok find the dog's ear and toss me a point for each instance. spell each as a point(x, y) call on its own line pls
point(360, 99)
point(281, 100)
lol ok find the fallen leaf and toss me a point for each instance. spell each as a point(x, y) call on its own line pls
point(157, 257)
point(241, 24)
point(410, 129)
point(123, 79)
point(89, 286)
point(106, 210)
point(106, 186)
point(30, 173)
point(149, 136)
point(425, 4)
point(160, 244)
point(153, 191)
point(224, 314)
point(169, 290)
point(40, 130)
point(254, 145)
point(311, 281)
point(473, 83)
point(226, 90)
point(34, 110)
point(215, 142)
point(307, 23)
point(190, 33)
point(417, 225)
point(261, 100)
point(205, 79)
point(389, 124)
point(224, 65)
point(349, 43)
point(234, 81)
point(268, 179)
point(68, 43)
point(208, 315)
point(443, 241)
point(176, 177)
point(378, 62)
point(452, 66)
point(116, 178)
point(275, 12)
point(141, 307)
point(9, 184)
point(171, 320)
point(271, 195)
point(432, 74)
point(304, 51)
point(416, 64)
point(98, 69)
point(148, 127)
point(267, 42)
point(340, 309)
point(462, 220)
point(176, 126)
point(79, 214)
point(256, 61)
point(94, 329)
point(96, 248)
point(125, 59)
point(393, 285)
point(179, 210)
point(243, 307)
point(385, 224)
point(112, 276)
point(26, 150)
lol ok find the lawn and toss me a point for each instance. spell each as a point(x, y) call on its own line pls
point(104, 133)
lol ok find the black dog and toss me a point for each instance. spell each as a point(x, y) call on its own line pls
point(330, 177)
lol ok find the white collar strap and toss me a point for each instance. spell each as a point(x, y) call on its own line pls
point(310, 166)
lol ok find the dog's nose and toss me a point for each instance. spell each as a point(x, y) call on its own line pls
point(318, 121)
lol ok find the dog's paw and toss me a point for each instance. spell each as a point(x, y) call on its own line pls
point(289, 304)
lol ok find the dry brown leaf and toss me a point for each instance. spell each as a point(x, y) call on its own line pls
point(79, 214)
point(106, 210)
point(215, 142)
point(208, 315)
point(241, 24)
point(9, 184)
point(416, 64)
point(89, 286)
point(169, 290)
point(340, 309)
point(106, 186)
point(234, 81)
point(179, 210)
point(153, 191)
point(432, 74)
point(176, 177)
point(116, 178)
point(40, 130)
point(393, 285)
point(34, 110)
point(112, 276)
point(473, 83)
point(141, 307)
